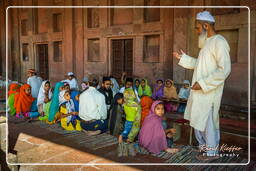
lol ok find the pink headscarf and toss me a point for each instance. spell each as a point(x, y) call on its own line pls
point(152, 135)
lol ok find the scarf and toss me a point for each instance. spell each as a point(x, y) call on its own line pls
point(116, 115)
point(152, 135)
point(73, 95)
point(170, 92)
point(115, 87)
point(41, 94)
point(54, 107)
point(23, 101)
point(13, 88)
point(130, 104)
point(158, 92)
point(146, 103)
point(146, 91)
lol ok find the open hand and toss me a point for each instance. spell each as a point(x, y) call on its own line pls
point(177, 55)
point(196, 86)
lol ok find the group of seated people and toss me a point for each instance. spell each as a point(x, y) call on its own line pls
point(130, 111)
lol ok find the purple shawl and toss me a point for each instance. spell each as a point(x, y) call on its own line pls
point(152, 135)
point(158, 93)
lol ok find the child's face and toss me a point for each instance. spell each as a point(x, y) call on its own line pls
point(67, 96)
point(61, 88)
point(143, 83)
point(186, 86)
point(137, 83)
point(128, 84)
point(67, 87)
point(168, 84)
point(47, 87)
point(29, 74)
point(159, 110)
point(28, 91)
point(159, 83)
point(120, 101)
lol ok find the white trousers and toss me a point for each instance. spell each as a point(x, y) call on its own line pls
point(210, 137)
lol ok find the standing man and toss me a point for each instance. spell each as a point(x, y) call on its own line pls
point(34, 81)
point(211, 69)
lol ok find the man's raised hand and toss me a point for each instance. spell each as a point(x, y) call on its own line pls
point(177, 55)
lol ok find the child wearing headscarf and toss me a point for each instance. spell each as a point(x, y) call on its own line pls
point(132, 115)
point(14, 89)
point(117, 116)
point(158, 92)
point(114, 85)
point(44, 96)
point(170, 93)
point(51, 116)
point(136, 84)
point(152, 135)
point(23, 101)
point(144, 88)
point(69, 117)
point(183, 95)
point(146, 103)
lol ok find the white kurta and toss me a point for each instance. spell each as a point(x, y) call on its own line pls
point(211, 68)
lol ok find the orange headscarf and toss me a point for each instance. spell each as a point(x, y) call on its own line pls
point(23, 101)
point(13, 88)
point(146, 103)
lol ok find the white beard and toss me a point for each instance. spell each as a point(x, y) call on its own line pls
point(202, 39)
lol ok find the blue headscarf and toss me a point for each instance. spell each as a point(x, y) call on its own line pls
point(74, 93)
point(54, 107)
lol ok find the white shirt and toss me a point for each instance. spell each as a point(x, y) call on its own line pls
point(92, 105)
point(72, 83)
point(211, 69)
point(35, 82)
point(135, 91)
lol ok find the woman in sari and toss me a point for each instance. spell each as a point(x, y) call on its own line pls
point(158, 92)
point(23, 101)
point(152, 134)
point(44, 96)
point(51, 114)
point(170, 93)
point(14, 88)
point(144, 88)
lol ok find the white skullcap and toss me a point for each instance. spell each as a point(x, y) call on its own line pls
point(70, 73)
point(205, 16)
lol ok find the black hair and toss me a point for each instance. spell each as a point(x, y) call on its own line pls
point(129, 79)
point(160, 80)
point(105, 79)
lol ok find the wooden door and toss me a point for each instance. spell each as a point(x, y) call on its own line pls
point(122, 57)
point(42, 58)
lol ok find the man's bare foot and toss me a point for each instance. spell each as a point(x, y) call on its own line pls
point(202, 157)
point(172, 150)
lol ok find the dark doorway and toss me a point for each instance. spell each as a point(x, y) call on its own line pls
point(122, 57)
point(42, 58)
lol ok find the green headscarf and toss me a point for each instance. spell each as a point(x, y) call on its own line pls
point(146, 91)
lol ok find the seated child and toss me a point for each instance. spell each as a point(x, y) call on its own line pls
point(23, 101)
point(14, 89)
point(69, 118)
point(146, 103)
point(152, 135)
point(44, 96)
point(170, 93)
point(117, 116)
point(136, 84)
point(132, 115)
point(158, 90)
point(144, 89)
point(183, 95)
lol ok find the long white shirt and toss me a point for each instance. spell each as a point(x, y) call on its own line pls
point(92, 105)
point(35, 82)
point(211, 68)
point(135, 91)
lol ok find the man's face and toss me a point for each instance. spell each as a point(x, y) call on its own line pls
point(107, 84)
point(128, 84)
